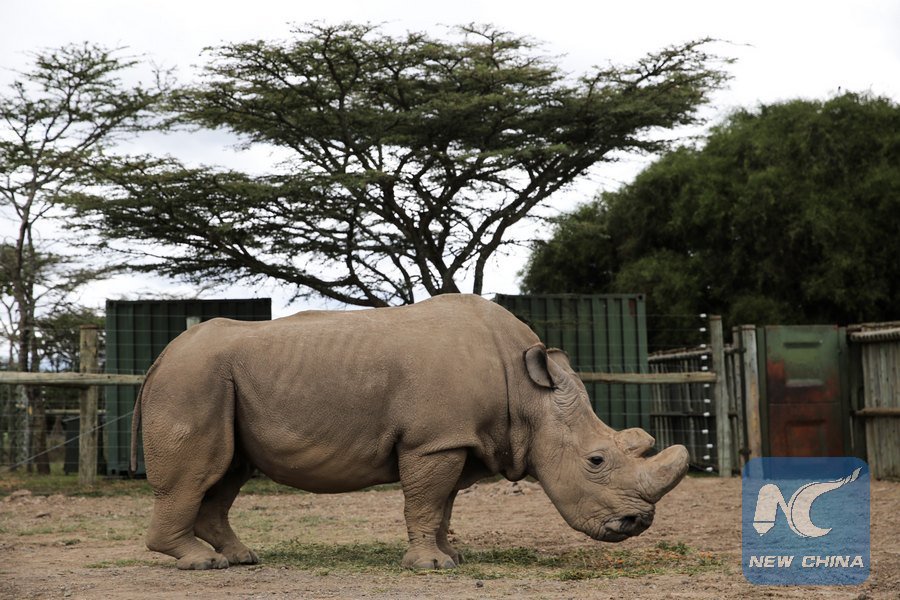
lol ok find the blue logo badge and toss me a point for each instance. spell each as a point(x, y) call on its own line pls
point(805, 521)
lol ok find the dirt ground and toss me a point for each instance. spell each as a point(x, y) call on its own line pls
point(79, 547)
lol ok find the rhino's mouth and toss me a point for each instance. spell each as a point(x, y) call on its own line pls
point(626, 526)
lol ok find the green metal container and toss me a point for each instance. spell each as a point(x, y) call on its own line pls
point(136, 332)
point(601, 333)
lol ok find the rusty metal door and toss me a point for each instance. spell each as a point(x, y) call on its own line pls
point(803, 390)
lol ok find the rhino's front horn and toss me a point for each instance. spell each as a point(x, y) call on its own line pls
point(663, 472)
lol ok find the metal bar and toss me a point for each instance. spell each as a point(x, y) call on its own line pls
point(68, 379)
point(676, 354)
point(676, 413)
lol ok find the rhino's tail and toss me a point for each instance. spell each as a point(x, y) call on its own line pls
point(136, 415)
point(135, 427)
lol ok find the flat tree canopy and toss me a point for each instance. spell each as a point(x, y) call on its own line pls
point(410, 156)
point(788, 214)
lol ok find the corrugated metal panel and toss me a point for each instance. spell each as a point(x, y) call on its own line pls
point(601, 333)
point(136, 332)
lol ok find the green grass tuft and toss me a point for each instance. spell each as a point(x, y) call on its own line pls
point(678, 547)
point(575, 574)
point(347, 557)
point(495, 563)
point(67, 485)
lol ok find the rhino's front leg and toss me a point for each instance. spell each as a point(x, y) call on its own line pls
point(429, 482)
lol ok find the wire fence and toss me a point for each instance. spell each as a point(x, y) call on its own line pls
point(686, 413)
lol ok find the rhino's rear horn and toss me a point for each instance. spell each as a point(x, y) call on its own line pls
point(635, 441)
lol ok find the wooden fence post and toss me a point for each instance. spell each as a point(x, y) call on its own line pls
point(723, 420)
point(87, 440)
point(751, 390)
point(24, 425)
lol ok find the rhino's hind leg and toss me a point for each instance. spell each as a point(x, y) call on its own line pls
point(442, 542)
point(187, 453)
point(212, 523)
point(172, 532)
point(429, 482)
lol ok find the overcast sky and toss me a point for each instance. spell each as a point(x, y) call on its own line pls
point(785, 49)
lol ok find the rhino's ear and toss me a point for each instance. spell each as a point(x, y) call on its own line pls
point(538, 367)
point(561, 358)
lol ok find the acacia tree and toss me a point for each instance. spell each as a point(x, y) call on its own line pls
point(786, 214)
point(410, 157)
point(55, 120)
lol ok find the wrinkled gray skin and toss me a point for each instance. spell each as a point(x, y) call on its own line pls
point(437, 396)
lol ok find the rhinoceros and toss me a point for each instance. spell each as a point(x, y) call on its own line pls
point(435, 395)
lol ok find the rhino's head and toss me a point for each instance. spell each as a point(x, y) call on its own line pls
point(600, 480)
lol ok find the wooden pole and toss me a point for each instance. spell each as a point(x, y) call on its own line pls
point(723, 423)
point(885, 411)
point(751, 390)
point(87, 441)
point(68, 379)
point(649, 378)
point(25, 425)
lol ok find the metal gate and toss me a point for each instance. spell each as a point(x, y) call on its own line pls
point(805, 398)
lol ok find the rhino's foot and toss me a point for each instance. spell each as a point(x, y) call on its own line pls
point(213, 560)
point(417, 558)
point(241, 556)
point(451, 552)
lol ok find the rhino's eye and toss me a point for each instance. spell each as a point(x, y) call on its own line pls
point(596, 460)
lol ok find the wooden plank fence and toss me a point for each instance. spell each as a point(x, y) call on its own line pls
point(710, 405)
point(880, 354)
point(688, 378)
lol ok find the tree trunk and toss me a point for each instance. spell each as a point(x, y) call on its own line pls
point(35, 418)
point(24, 392)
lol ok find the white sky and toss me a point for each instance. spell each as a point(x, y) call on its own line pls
point(785, 49)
